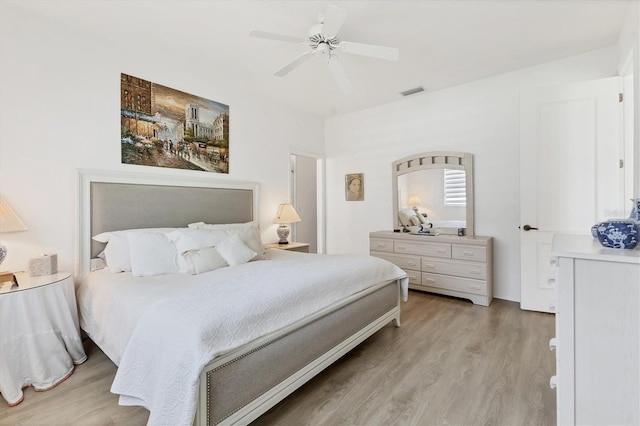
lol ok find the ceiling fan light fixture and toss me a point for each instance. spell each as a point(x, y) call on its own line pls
point(413, 91)
point(323, 39)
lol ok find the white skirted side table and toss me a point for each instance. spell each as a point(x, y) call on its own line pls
point(40, 340)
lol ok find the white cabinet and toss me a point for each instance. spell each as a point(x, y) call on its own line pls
point(444, 264)
point(597, 339)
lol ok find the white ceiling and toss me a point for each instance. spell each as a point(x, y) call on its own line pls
point(442, 43)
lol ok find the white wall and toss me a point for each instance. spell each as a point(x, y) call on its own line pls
point(482, 118)
point(60, 111)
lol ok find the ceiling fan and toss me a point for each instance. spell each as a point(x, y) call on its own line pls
point(323, 40)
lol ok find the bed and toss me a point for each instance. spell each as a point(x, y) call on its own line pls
point(220, 346)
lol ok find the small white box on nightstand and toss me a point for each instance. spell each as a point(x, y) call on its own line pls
point(46, 264)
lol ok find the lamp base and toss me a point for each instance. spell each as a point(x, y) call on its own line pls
point(283, 233)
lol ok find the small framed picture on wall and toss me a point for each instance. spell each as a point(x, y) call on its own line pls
point(354, 187)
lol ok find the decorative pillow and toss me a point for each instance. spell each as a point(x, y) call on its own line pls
point(415, 221)
point(234, 251)
point(191, 239)
point(116, 253)
point(203, 260)
point(249, 233)
point(405, 216)
point(152, 254)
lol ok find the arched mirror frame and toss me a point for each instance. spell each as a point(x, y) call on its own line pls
point(436, 160)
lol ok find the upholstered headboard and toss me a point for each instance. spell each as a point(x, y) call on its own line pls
point(111, 201)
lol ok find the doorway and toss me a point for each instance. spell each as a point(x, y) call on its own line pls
point(306, 173)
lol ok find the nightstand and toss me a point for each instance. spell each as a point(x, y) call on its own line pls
point(300, 247)
point(40, 341)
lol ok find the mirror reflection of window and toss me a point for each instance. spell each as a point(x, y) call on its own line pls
point(455, 190)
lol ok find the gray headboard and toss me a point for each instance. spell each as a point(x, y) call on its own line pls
point(111, 201)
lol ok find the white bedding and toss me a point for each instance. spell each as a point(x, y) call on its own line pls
point(161, 335)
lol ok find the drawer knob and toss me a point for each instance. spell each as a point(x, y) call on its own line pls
point(441, 251)
point(412, 264)
point(474, 271)
point(553, 382)
point(429, 265)
point(475, 287)
point(430, 280)
point(553, 344)
point(401, 248)
point(468, 253)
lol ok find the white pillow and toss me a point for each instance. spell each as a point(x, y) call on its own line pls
point(116, 253)
point(405, 216)
point(152, 254)
point(234, 251)
point(249, 233)
point(191, 239)
point(203, 260)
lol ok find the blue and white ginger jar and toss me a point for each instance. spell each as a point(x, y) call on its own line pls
point(617, 233)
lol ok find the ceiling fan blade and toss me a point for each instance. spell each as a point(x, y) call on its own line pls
point(379, 52)
point(274, 36)
point(339, 75)
point(294, 64)
point(333, 19)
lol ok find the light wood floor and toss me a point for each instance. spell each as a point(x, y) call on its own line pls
point(450, 363)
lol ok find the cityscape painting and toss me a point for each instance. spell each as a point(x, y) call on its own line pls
point(164, 127)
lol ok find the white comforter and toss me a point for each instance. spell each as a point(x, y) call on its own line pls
point(219, 311)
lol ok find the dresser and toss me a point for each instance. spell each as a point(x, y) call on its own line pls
point(597, 342)
point(444, 264)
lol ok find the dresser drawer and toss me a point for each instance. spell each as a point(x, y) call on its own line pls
point(473, 270)
point(379, 244)
point(405, 262)
point(415, 277)
point(478, 254)
point(453, 283)
point(424, 249)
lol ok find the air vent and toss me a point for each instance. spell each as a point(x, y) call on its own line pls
point(412, 91)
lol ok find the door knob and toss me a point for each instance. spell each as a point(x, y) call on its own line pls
point(529, 228)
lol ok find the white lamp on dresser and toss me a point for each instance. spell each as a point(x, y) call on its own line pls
point(414, 202)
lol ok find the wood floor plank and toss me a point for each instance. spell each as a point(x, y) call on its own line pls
point(451, 362)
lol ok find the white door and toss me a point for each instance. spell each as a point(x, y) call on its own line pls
point(570, 173)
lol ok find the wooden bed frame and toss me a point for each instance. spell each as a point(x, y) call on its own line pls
point(240, 386)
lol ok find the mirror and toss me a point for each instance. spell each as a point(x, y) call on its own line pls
point(440, 186)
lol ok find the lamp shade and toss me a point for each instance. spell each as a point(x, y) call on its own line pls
point(286, 214)
point(9, 220)
point(414, 200)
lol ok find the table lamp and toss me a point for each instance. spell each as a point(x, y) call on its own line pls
point(286, 214)
point(9, 222)
point(414, 201)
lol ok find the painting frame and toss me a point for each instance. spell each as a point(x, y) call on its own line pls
point(354, 187)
